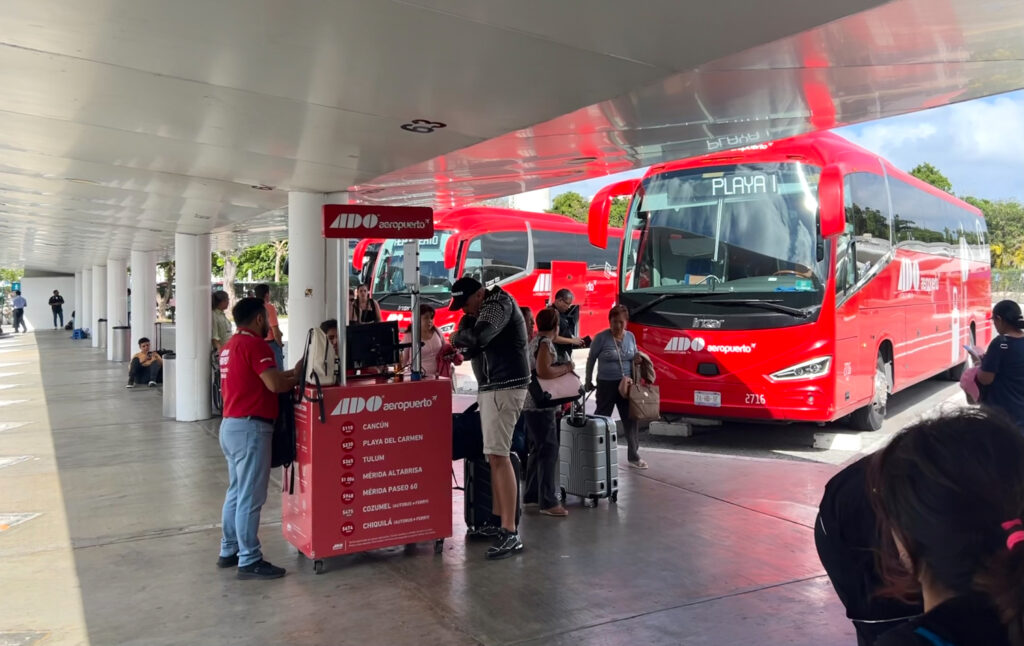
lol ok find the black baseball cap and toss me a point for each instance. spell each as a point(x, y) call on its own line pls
point(462, 290)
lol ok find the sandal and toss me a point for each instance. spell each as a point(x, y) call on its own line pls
point(639, 464)
point(558, 511)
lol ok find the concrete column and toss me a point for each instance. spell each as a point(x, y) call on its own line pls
point(76, 306)
point(332, 270)
point(117, 300)
point(192, 321)
point(307, 298)
point(99, 300)
point(143, 296)
point(85, 305)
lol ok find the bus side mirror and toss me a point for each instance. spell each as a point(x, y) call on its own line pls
point(359, 253)
point(597, 216)
point(451, 248)
point(831, 207)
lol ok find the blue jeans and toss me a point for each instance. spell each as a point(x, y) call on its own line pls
point(278, 353)
point(246, 445)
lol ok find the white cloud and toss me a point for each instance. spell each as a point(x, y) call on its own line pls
point(978, 144)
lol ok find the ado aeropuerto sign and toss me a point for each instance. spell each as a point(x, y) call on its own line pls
point(364, 221)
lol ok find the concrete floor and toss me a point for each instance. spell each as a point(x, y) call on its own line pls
point(700, 549)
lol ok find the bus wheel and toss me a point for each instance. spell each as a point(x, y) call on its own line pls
point(870, 417)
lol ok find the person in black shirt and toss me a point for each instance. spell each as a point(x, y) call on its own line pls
point(949, 496)
point(56, 303)
point(1002, 367)
point(568, 324)
point(846, 537)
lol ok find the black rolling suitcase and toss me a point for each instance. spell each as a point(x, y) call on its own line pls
point(477, 498)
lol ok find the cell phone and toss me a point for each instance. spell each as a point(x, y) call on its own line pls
point(974, 351)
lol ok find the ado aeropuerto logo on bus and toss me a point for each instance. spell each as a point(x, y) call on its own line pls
point(684, 344)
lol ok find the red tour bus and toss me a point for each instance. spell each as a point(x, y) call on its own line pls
point(805, 279)
point(530, 255)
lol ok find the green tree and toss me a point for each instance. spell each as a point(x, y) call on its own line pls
point(928, 173)
point(571, 204)
point(258, 259)
point(617, 211)
point(1005, 221)
point(11, 275)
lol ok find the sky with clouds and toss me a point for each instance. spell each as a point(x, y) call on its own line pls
point(978, 145)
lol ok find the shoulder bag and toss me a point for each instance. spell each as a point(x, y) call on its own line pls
point(644, 399)
point(548, 393)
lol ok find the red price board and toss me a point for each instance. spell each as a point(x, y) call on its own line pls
point(363, 221)
point(376, 473)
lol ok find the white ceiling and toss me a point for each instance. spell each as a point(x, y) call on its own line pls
point(124, 121)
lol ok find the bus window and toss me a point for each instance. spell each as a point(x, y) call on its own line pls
point(494, 257)
point(868, 212)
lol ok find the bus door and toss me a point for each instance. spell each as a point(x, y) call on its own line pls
point(572, 274)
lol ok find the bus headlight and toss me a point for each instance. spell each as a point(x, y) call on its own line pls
point(818, 367)
point(447, 328)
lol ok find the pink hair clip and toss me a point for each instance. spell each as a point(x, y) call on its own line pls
point(1016, 536)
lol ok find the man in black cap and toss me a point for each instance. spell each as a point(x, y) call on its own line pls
point(493, 335)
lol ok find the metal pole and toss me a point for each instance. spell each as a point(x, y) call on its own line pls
point(416, 368)
point(343, 311)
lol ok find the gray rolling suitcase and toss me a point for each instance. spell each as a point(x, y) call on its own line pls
point(588, 456)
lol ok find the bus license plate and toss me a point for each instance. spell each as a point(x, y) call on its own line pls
point(707, 398)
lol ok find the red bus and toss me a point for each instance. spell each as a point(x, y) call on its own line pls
point(806, 279)
point(530, 255)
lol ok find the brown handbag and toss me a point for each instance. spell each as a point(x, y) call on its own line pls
point(644, 400)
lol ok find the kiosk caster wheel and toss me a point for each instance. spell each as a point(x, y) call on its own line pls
point(439, 546)
point(615, 496)
point(318, 566)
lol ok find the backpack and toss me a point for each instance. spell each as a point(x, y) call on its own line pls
point(319, 366)
point(319, 359)
point(282, 443)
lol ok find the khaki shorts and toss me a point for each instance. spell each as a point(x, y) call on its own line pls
point(499, 412)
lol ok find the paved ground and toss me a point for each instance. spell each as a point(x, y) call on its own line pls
point(109, 527)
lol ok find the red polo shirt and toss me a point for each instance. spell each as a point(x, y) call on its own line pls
point(242, 360)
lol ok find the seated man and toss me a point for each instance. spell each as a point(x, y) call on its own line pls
point(330, 328)
point(146, 367)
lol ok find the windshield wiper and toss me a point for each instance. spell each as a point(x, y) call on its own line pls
point(660, 299)
point(772, 305)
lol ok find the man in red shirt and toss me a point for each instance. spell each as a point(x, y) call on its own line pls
point(250, 382)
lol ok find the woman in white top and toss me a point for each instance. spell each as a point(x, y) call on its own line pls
point(431, 343)
point(542, 423)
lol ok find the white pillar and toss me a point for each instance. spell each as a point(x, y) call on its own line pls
point(99, 300)
point(332, 270)
point(192, 321)
point(307, 297)
point(117, 303)
point(143, 296)
point(85, 311)
point(76, 305)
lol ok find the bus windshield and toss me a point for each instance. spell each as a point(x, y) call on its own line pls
point(435, 280)
point(748, 228)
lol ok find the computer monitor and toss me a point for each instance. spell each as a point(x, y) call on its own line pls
point(372, 344)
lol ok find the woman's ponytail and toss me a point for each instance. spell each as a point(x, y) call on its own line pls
point(1003, 580)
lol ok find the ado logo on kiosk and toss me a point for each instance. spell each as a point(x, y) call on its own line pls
point(353, 405)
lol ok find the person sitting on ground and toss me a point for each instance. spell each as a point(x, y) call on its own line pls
point(221, 325)
point(1002, 367)
point(542, 423)
point(147, 366)
point(949, 495)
